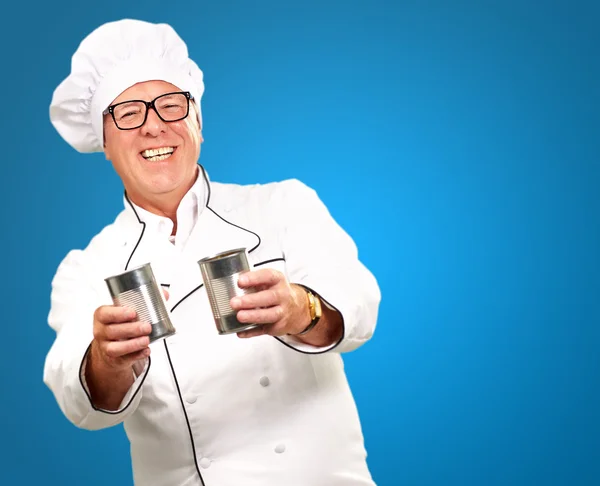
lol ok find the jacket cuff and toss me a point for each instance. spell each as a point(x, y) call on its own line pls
point(351, 311)
point(101, 418)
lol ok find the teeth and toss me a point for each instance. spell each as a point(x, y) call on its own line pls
point(159, 151)
point(158, 158)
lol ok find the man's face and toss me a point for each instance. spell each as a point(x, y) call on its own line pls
point(146, 178)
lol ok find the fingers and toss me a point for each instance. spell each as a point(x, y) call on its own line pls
point(120, 338)
point(264, 298)
point(166, 293)
point(277, 329)
point(120, 349)
point(266, 306)
point(253, 332)
point(136, 356)
point(127, 360)
point(118, 332)
point(266, 276)
point(110, 314)
point(261, 316)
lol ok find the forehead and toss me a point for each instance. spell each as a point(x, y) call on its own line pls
point(147, 90)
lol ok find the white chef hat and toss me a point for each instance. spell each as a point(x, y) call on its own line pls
point(109, 60)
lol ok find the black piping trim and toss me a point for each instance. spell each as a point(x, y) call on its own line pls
point(269, 261)
point(327, 350)
point(183, 298)
point(110, 412)
point(141, 234)
point(222, 218)
point(167, 349)
point(187, 421)
point(232, 224)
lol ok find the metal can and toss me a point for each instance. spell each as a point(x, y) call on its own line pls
point(137, 289)
point(220, 274)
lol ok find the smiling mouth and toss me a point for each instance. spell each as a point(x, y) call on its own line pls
point(157, 155)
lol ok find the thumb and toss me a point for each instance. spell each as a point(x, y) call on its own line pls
point(166, 293)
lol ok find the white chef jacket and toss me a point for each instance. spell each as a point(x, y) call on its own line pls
point(216, 410)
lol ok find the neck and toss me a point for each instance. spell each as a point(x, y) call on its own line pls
point(163, 204)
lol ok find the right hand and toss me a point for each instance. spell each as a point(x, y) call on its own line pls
point(120, 339)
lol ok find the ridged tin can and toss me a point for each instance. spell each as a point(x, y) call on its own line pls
point(220, 274)
point(137, 289)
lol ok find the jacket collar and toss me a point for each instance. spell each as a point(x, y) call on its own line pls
point(192, 204)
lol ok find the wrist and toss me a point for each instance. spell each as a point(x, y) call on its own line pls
point(107, 384)
point(312, 311)
point(302, 319)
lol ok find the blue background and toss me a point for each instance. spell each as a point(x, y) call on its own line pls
point(457, 142)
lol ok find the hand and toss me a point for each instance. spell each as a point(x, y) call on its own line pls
point(119, 338)
point(280, 307)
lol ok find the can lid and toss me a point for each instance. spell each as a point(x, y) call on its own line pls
point(224, 264)
point(223, 255)
point(130, 279)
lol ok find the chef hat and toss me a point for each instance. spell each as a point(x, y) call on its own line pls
point(109, 60)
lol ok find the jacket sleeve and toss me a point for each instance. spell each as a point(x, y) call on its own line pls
point(73, 303)
point(322, 256)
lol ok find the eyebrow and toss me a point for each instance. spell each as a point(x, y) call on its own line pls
point(125, 103)
point(166, 97)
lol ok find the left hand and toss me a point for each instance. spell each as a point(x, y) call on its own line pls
point(280, 307)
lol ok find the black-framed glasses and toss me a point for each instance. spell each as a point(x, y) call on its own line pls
point(169, 107)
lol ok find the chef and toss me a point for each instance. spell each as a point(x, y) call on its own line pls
point(269, 406)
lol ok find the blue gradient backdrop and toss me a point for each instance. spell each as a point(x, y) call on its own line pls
point(457, 142)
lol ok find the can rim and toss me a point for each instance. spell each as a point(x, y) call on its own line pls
point(222, 254)
point(128, 271)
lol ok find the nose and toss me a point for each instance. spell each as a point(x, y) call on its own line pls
point(153, 126)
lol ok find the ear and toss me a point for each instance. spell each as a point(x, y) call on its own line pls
point(107, 152)
point(199, 125)
point(197, 111)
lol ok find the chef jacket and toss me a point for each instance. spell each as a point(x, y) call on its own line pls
point(216, 410)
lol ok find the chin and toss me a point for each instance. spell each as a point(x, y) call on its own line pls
point(163, 187)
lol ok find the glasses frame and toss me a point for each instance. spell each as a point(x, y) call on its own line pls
point(148, 105)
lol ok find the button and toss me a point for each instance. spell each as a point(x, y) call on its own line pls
point(191, 399)
point(264, 381)
point(280, 448)
point(205, 463)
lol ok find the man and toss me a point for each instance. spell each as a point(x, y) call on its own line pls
point(268, 406)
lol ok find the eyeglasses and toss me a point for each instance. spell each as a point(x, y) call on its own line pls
point(132, 114)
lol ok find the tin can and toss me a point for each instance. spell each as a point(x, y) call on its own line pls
point(220, 274)
point(137, 289)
